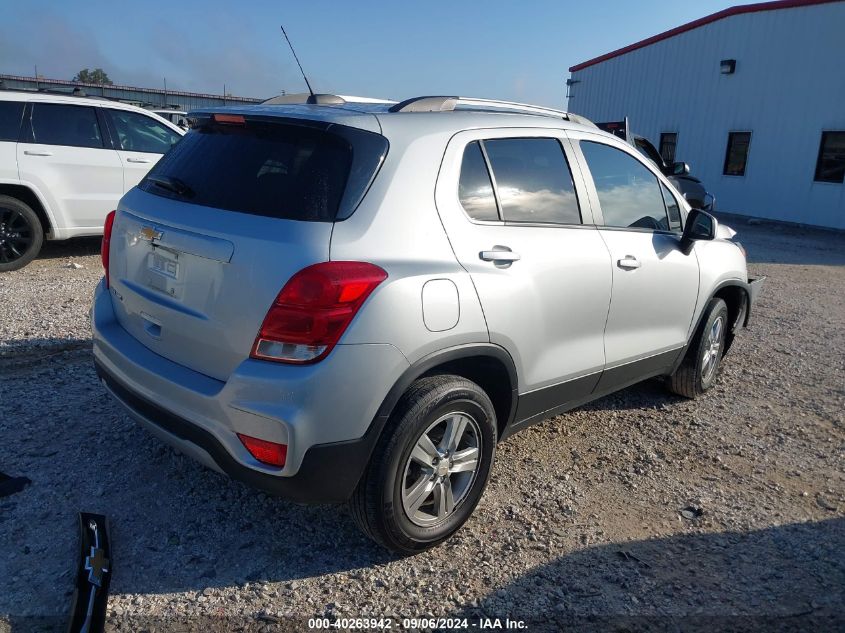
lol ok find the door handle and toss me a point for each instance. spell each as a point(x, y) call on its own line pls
point(499, 255)
point(37, 152)
point(629, 262)
point(132, 159)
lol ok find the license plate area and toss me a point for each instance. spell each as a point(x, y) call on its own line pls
point(165, 271)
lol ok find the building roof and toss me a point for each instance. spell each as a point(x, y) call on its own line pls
point(689, 26)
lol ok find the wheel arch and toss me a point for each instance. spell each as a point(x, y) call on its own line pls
point(29, 197)
point(737, 298)
point(735, 294)
point(487, 365)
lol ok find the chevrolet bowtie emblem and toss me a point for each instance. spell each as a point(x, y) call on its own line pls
point(149, 233)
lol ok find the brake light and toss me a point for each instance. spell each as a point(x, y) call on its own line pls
point(106, 245)
point(264, 451)
point(313, 310)
point(229, 119)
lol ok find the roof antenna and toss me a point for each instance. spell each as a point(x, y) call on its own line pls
point(298, 64)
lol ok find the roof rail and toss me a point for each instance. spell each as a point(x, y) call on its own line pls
point(321, 99)
point(76, 93)
point(450, 103)
point(304, 97)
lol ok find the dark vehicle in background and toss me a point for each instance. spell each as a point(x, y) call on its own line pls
point(678, 173)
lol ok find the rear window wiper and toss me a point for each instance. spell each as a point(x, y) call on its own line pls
point(172, 184)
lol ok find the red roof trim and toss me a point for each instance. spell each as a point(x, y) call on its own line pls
point(689, 26)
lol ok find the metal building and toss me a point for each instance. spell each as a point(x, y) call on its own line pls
point(144, 97)
point(752, 97)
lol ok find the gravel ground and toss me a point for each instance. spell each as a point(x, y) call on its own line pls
point(641, 510)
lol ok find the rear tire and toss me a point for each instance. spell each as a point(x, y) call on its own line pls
point(21, 234)
point(430, 466)
point(700, 367)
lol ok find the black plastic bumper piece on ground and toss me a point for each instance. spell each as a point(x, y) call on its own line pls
point(93, 575)
point(329, 472)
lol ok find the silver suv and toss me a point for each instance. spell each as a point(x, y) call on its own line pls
point(340, 301)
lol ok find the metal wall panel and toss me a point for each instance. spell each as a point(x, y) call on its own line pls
point(788, 87)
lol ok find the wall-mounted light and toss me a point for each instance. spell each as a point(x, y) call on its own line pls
point(727, 66)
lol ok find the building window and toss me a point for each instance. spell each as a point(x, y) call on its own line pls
point(830, 166)
point(668, 142)
point(736, 156)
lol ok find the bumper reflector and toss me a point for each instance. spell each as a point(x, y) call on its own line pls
point(266, 452)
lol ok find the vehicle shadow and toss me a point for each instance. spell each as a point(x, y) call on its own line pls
point(783, 578)
point(75, 247)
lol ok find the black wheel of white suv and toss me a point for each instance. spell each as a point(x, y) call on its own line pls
point(700, 367)
point(430, 467)
point(21, 234)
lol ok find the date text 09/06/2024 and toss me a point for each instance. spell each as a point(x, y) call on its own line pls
point(448, 624)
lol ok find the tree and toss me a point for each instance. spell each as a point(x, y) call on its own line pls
point(96, 76)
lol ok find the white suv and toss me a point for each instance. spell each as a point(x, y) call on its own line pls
point(65, 161)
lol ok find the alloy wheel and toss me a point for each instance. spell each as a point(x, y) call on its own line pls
point(710, 356)
point(16, 235)
point(441, 469)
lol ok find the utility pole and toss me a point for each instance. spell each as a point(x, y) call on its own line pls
point(36, 76)
point(224, 94)
point(165, 92)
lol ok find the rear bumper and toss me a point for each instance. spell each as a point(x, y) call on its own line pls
point(316, 481)
point(327, 414)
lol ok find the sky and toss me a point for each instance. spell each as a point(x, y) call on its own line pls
point(518, 51)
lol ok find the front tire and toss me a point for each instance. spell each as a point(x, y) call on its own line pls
point(430, 467)
point(21, 234)
point(700, 367)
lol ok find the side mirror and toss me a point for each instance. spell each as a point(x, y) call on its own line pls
point(700, 226)
point(680, 169)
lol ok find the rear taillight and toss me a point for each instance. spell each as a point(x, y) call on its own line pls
point(264, 451)
point(313, 310)
point(106, 245)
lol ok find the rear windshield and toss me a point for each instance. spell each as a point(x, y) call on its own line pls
point(292, 171)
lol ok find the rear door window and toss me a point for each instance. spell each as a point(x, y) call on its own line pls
point(629, 194)
point(475, 189)
point(61, 124)
point(271, 168)
point(533, 180)
point(11, 113)
point(140, 133)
